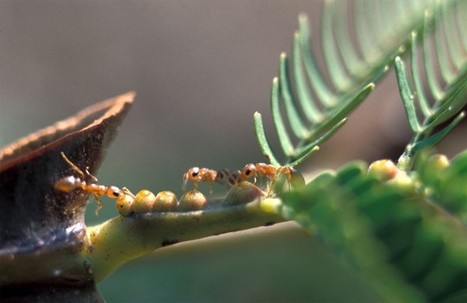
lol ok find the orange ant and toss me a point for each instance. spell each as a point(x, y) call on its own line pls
point(259, 169)
point(127, 203)
point(271, 172)
point(197, 175)
point(69, 183)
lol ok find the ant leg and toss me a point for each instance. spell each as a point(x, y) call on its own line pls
point(99, 204)
point(126, 191)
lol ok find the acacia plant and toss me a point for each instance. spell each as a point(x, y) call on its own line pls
point(401, 226)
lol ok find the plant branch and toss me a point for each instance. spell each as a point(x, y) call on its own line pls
point(121, 239)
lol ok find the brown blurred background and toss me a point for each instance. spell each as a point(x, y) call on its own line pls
point(201, 68)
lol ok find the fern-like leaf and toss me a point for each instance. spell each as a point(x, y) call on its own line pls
point(448, 95)
point(309, 107)
point(406, 247)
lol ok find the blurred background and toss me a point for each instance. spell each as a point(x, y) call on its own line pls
point(200, 68)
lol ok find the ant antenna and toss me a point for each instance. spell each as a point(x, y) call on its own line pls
point(72, 165)
point(77, 169)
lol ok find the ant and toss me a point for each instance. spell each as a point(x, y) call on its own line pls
point(292, 176)
point(251, 170)
point(69, 183)
point(197, 175)
point(128, 203)
point(259, 169)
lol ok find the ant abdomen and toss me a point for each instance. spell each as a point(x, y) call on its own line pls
point(67, 184)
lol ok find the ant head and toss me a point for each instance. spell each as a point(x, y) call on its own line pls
point(115, 192)
point(191, 174)
point(248, 171)
point(194, 172)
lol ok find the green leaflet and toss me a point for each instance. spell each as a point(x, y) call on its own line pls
point(400, 242)
point(445, 97)
point(263, 141)
point(312, 108)
point(407, 237)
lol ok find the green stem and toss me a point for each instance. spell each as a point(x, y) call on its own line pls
point(121, 239)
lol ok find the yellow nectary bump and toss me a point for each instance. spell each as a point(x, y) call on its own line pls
point(384, 170)
point(165, 201)
point(124, 204)
point(403, 181)
point(144, 200)
point(271, 205)
point(192, 200)
point(437, 162)
point(241, 193)
point(432, 169)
